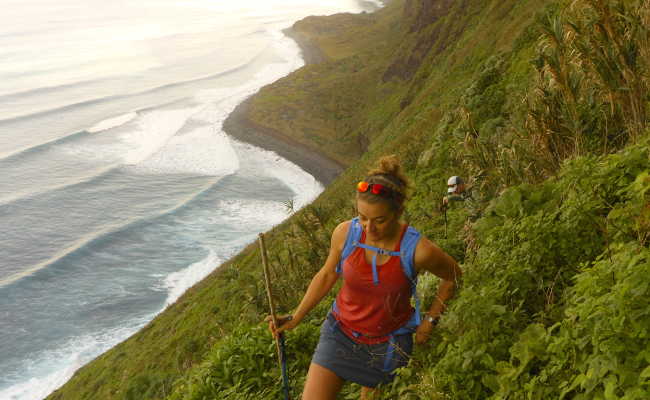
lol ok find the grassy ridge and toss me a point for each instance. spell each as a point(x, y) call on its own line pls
point(322, 105)
point(458, 87)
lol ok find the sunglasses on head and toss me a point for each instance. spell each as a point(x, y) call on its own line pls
point(374, 188)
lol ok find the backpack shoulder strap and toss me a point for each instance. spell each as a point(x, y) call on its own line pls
point(351, 241)
point(407, 252)
point(407, 259)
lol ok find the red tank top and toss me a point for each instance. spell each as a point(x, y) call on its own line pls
point(373, 310)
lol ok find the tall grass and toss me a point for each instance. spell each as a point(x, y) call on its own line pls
point(591, 88)
point(589, 95)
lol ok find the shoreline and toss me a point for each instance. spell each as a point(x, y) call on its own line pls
point(310, 52)
point(238, 126)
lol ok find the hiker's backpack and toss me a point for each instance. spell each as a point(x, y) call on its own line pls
point(406, 255)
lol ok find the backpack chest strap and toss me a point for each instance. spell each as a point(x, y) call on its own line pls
point(377, 251)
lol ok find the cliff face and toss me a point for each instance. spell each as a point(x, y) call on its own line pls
point(364, 57)
point(421, 13)
point(430, 34)
point(323, 105)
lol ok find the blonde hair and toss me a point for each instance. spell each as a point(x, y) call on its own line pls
point(388, 172)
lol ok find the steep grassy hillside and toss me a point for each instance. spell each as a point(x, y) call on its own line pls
point(544, 108)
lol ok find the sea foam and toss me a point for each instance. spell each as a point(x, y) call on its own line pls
point(262, 162)
point(178, 282)
point(202, 151)
point(45, 368)
point(112, 122)
point(153, 131)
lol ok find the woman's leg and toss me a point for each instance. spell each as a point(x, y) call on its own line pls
point(370, 393)
point(321, 384)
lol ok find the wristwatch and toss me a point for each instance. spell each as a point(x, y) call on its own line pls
point(433, 320)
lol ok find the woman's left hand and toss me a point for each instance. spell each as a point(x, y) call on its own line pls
point(423, 333)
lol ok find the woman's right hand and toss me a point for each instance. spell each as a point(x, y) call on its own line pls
point(285, 322)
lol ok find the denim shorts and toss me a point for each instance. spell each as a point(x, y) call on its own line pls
point(360, 363)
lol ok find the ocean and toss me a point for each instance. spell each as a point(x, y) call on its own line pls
point(119, 189)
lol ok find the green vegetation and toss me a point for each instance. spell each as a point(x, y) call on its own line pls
point(543, 106)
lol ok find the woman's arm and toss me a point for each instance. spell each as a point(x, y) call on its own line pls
point(429, 257)
point(322, 282)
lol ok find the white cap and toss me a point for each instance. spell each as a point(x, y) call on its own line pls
point(452, 182)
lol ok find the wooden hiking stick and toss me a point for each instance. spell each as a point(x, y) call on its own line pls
point(444, 206)
point(279, 340)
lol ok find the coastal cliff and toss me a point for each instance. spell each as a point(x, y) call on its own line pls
point(554, 301)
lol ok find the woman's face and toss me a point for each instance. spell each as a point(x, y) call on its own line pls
point(378, 220)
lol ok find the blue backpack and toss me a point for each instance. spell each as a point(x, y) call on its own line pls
point(406, 254)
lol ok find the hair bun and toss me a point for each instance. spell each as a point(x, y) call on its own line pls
point(390, 165)
point(390, 168)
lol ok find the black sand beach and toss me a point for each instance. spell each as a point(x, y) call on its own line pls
point(240, 127)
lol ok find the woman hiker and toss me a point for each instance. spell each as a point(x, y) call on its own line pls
point(369, 331)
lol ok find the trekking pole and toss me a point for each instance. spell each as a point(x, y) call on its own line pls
point(279, 340)
point(445, 208)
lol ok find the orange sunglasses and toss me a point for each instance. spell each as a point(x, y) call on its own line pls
point(374, 188)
